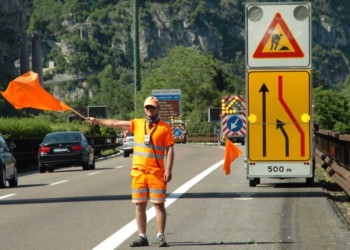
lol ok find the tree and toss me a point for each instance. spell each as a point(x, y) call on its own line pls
point(331, 110)
point(116, 92)
point(192, 72)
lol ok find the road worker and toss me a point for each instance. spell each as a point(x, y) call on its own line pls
point(153, 143)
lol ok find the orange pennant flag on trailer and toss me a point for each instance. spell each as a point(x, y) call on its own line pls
point(26, 92)
point(231, 153)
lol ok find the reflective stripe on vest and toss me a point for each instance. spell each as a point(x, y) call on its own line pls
point(150, 155)
point(149, 146)
point(141, 149)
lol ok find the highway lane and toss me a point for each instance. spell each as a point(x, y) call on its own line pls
point(84, 208)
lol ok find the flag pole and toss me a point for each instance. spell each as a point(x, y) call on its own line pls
point(76, 112)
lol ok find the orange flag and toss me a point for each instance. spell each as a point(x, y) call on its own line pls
point(26, 92)
point(231, 153)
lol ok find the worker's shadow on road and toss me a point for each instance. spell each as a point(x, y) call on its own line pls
point(207, 195)
point(218, 244)
point(252, 194)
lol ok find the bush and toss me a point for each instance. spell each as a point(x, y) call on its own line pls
point(107, 152)
point(23, 127)
point(36, 127)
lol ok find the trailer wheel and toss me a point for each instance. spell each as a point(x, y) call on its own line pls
point(257, 181)
point(311, 181)
point(254, 182)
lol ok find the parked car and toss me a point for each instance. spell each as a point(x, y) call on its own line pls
point(128, 144)
point(65, 149)
point(8, 164)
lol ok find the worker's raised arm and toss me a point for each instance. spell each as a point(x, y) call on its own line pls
point(111, 123)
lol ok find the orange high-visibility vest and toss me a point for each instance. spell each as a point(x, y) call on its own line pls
point(150, 157)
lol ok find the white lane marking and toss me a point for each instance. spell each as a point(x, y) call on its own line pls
point(129, 229)
point(94, 173)
point(120, 167)
point(56, 183)
point(244, 197)
point(6, 196)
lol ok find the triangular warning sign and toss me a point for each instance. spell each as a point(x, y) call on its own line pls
point(278, 42)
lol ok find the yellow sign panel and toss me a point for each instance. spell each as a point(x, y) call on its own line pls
point(279, 113)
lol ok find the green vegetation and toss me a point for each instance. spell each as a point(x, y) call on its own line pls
point(109, 152)
point(40, 125)
point(94, 38)
point(332, 110)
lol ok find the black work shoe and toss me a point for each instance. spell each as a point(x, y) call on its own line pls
point(161, 241)
point(139, 242)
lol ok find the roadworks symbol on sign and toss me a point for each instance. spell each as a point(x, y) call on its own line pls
point(278, 42)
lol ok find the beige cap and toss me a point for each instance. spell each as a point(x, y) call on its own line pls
point(151, 100)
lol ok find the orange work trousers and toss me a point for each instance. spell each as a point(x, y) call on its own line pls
point(148, 186)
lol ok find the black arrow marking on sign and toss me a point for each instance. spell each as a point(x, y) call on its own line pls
point(279, 125)
point(264, 89)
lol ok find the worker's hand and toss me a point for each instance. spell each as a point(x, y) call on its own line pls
point(91, 120)
point(167, 176)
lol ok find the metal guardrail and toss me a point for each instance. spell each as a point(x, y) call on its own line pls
point(339, 174)
point(333, 151)
point(206, 138)
point(334, 144)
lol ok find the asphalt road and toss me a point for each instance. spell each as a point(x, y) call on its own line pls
point(79, 210)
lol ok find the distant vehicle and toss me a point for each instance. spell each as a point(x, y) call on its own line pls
point(128, 143)
point(8, 165)
point(179, 130)
point(120, 139)
point(65, 149)
point(233, 119)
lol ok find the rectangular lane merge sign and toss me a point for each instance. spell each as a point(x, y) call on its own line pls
point(279, 115)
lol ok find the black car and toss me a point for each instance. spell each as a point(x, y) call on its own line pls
point(8, 170)
point(65, 149)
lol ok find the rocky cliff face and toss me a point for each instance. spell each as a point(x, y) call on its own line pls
point(331, 38)
point(14, 21)
point(165, 29)
point(160, 33)
point(329, 35)
point(223, 38)
point(220, 31)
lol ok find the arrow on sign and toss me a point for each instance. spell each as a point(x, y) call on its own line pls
point(263, 90)
point(234, 125)
point(279, 125)
point(291, 116)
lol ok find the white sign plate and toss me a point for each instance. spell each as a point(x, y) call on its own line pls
point(280, 169)
point(278, 35)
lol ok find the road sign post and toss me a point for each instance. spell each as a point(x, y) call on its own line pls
point(233, 122)
point(214, 114)
point(97, 111)
point(169, 102)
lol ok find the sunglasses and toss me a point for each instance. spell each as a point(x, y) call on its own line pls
point(150, 107)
